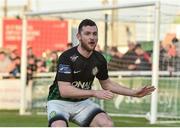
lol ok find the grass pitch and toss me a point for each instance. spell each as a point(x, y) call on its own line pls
point(13, 119)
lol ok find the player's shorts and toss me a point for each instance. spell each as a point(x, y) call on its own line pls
point(81, 113)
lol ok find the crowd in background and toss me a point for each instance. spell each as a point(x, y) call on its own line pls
point(170, 56)
point(136, 58)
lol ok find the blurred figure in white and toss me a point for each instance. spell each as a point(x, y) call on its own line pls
point(5, 62)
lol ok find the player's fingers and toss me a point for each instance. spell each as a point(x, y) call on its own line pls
point(147, 90)
point(107, 98)
point(108, 95)
point(150, 89)
point(149, 93)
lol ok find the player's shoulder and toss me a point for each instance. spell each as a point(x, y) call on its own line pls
point(69, 52)
point(99, 56)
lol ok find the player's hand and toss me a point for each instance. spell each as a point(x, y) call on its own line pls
point(147, 90)
point(103, 94)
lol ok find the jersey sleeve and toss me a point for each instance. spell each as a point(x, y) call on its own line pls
point(103, 71)
point(64, 69)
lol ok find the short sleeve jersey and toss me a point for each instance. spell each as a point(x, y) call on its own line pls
point(79, 71)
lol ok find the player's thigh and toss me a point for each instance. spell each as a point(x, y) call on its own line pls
point(85, 112)
point(101, 120)
point(57, 113)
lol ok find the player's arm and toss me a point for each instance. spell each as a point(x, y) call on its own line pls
point(69, 91)
point(122, 90)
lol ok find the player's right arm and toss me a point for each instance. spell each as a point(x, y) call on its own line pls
point(69, 91)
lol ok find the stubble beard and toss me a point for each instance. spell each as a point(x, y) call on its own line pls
point(85, 46)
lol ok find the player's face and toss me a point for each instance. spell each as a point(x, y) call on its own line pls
point(88, 37)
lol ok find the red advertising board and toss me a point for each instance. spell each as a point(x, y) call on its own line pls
point(42, 35)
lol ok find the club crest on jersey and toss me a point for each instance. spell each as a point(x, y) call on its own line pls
point(52, 114)
point(94, 71)
point(74, 57)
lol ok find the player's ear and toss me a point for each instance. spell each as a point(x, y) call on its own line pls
point(78, 36)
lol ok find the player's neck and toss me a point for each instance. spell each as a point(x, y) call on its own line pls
point(84, 52)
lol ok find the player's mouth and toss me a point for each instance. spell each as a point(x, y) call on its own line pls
point(92, 43)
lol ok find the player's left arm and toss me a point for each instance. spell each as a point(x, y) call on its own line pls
point(122, 90)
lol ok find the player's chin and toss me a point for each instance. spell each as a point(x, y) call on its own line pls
point(91, 48)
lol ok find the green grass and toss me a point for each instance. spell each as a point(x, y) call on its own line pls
point(13, 119)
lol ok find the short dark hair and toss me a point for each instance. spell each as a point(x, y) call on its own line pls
point(2, 52)
point(138, 46)
point(86, 22)
point(174, 40)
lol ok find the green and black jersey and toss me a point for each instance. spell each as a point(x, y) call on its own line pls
point(79, 71)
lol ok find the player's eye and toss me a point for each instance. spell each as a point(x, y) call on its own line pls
point(87, 33)
point(95, 33)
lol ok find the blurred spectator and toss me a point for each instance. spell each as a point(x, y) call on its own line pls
point(32, 63)
point(53, 61)
point(163, 58)
point(175, 40)
point(16, 66)
point(107, 54)
point(69, 45)
point(40, 66)
point(5, 62)
point(176, 43)
point(30, 52)
point(131, 46)
point(13, 54)
point(171, 56)
point(115, 52)
point(143, 61)
point(31, 67)
point(171, 50)
point(98, 48)
point(115, 63)
point(129, 57)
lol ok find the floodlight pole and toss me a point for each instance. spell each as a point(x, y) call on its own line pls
point(23, 74)
point(155, 68)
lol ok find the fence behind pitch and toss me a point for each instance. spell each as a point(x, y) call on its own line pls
point(168, 96)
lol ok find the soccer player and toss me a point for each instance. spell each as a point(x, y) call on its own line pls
point(77, 67)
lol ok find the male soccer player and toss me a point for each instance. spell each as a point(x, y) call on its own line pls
point(77, 67)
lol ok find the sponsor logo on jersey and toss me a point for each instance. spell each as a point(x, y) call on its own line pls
point(74, 57)
point(63, 68)
point(82, 85)
point(94, 71)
